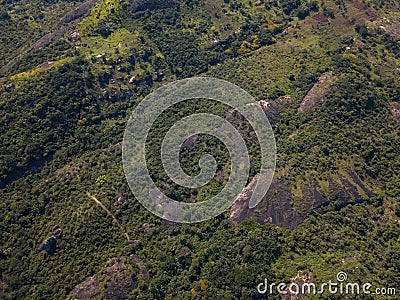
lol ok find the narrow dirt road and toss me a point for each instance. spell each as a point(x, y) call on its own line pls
point(110, 214)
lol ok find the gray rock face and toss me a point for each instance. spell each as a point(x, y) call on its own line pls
point(120, 282)
point(105, 95)
point(280, 207)
point(274, 208)
point(8, 87)
point(395, 111)
point(49, 245)
point(56, 227)
point(87, 289)
point(317, 93)
point(121, 200)
point(74, 37)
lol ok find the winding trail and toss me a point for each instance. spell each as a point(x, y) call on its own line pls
point(110, 214)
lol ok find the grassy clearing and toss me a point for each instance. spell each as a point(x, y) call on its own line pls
point(101, 10)
point(303, 50)
point(41, 69)
point(226, 21)
point(120, 41)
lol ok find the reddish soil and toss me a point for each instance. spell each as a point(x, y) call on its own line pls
point(320, 18)
point(393, 29)
point(365, 11)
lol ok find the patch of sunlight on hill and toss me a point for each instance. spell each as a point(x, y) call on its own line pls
point(101, 10)
point(41, 69)
point(120, 41)
point(267, 72)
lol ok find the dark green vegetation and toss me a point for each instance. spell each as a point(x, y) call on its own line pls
point(64, 108)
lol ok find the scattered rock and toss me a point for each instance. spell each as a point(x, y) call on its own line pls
point(264, 104)
point(74, 37)
point(114, 269)
point(214, 42)
point(395, 111)
point(190, 142)
point(121, 200)
point(55, 227)
point(57, 233)
point(382, 220)
point(87, 289)
point(49, 245)
point(285, 99)
point(106, 95)
point(8, 87)
point(146, 227)
point(135, 258)
point(159, 76)
point(168, 224)
point(320, 18)
point(348, 258)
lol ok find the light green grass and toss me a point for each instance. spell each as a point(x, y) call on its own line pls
point(121, 39)
point(265, 72)
point(101, 10)
point(38, 70)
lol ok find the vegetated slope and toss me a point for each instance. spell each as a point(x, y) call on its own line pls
point(24, 22)
point(336, 181)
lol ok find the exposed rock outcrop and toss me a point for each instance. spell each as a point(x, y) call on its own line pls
point(74, 37)
point(87, 289)
point(241, 203)
point(281, 207)
point(190, 142)
point(274, 208)
point(121, 200)
point(272, 110)
point(395, 110)
point(317, 93)
point(120, 281)
point(116, 281)
point(49, 245)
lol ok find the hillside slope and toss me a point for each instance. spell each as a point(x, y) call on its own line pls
point(333, 204)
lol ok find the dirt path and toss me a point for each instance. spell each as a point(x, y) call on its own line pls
point(110, 214)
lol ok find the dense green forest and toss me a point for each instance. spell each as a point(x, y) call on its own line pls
point(328, 72)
